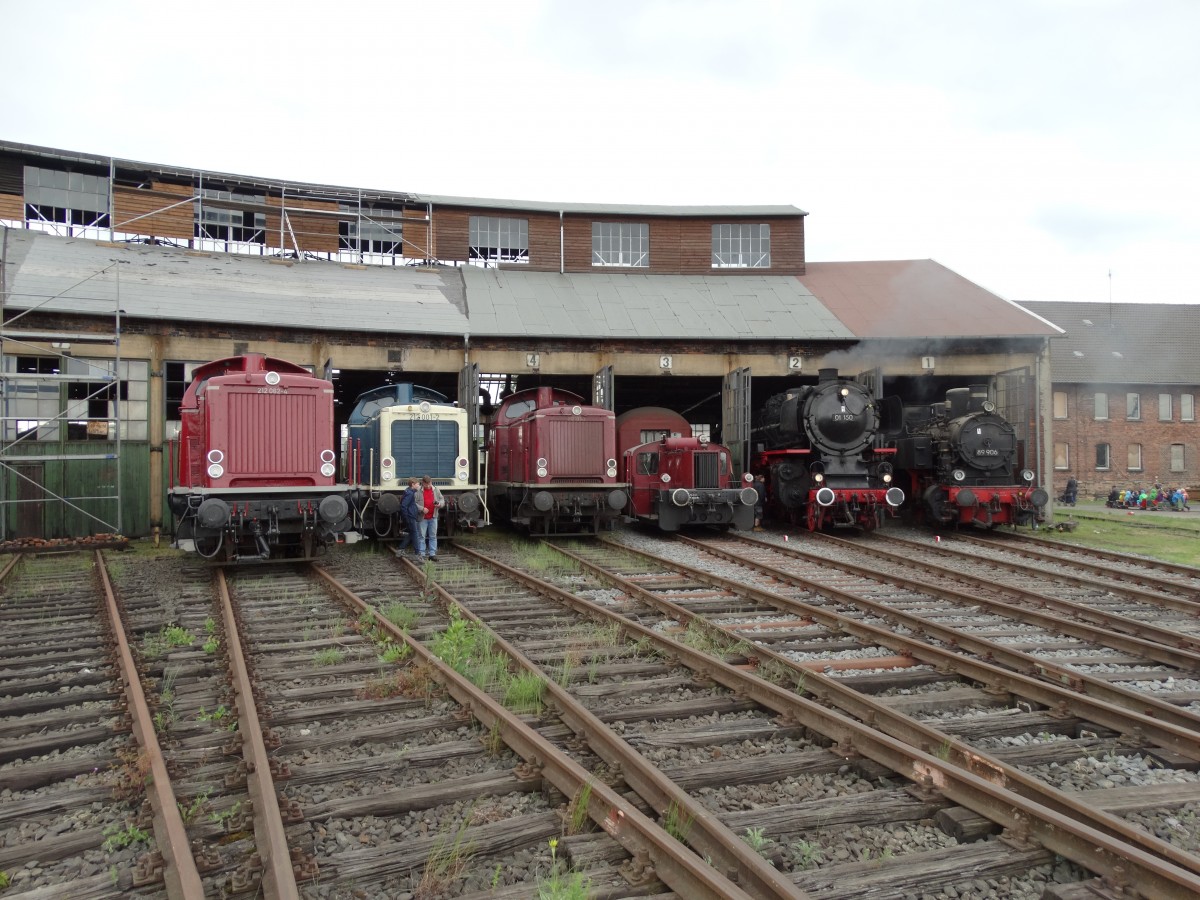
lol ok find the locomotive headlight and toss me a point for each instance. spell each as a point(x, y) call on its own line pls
point(272, 378)
point(989, 406)
point(424, 406)
point(612, 463)
point(215, 471)
point(327, 469)
point(215, 456)
point(462, 475)
point(704, 439)
point(612, 471)
point(887, 478)
point(747, 478)
point(462, 462)
point(818, 477)
point(958, 475)
point(845, 392)
point(577, 410)
point(541, 463)
point(665, 478)
point(1027, 475)
point(542, 470)
point(327, 456)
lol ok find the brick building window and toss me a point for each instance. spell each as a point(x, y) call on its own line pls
point(1135, 458)
point(1060, 404)
point(741, 246)
point(1164, 408)
point(1133, 406)
point(1103, 456)
point(1177, 458)
point(1101, 407)
point(1187, 407)
point(1062, 455)
point(621, 244)
point(501, 240)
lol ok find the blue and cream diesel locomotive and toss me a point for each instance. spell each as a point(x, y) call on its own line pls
point(401, 431)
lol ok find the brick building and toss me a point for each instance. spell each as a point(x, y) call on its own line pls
point(1124, 382)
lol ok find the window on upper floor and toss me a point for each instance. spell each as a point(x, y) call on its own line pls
point(1062, 455)
point(621, 244)
point(1177, 458)
point(376, 232)
point(495, 239)
point(740, 246)
point(1187, 407)
point(1100, 408)
point(1060, 404)
point(1134, 463)
point(1164, 408)
point(1103, 456)
point(1133, 406)
point(217, 224)
point(66, 203)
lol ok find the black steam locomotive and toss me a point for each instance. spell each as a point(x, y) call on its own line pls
point(816, 447)
point(961, 458)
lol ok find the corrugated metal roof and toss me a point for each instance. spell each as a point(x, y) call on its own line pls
point(1124, 343)
point(702, 307)
point(916, 298)
point(163, 283)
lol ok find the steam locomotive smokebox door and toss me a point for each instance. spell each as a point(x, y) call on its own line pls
point(915, 453)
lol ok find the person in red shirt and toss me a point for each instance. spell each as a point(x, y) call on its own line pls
point(431, 501)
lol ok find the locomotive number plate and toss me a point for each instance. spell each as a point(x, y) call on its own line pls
point(844, 417)
point(271, 390)
point(992, 452)
point(425, 417)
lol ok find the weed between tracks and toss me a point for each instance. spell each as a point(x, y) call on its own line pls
point(469, 650)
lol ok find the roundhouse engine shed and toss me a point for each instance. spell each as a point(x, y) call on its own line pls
point(123, 281)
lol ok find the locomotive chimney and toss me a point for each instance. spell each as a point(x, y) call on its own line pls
point(824, 375)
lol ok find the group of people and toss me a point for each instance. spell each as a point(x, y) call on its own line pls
point(1156, 497)
point(419, 505)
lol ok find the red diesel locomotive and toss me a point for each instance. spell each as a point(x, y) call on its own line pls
point(677, 479)
point(552, 463)
point(256, 473)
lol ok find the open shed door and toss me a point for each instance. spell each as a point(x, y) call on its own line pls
point(1013, 393)
point(603, 389)
point(735, 417)
point(468, 399)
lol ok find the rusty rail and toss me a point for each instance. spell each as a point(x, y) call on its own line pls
point(180, 874)
point(675, 865)
point(278, 875)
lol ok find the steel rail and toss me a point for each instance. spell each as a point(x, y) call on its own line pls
point(1095, 552)
point(1038, 680)
point(1093, 849)
point(180, 874)
point(707, 835)
point(270, 838)
point(676, 866)
point(1079, 681)
point(1132, 627)
point(905, 728)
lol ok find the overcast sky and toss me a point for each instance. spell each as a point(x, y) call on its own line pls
point(1032, 146)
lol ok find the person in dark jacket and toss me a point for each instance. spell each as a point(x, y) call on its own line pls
point(410, 513)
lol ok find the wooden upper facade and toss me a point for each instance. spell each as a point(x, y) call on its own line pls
point(76, 194)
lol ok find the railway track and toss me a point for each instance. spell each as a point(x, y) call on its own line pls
point(704, 721)
point(701, 593)
point(88, 806)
